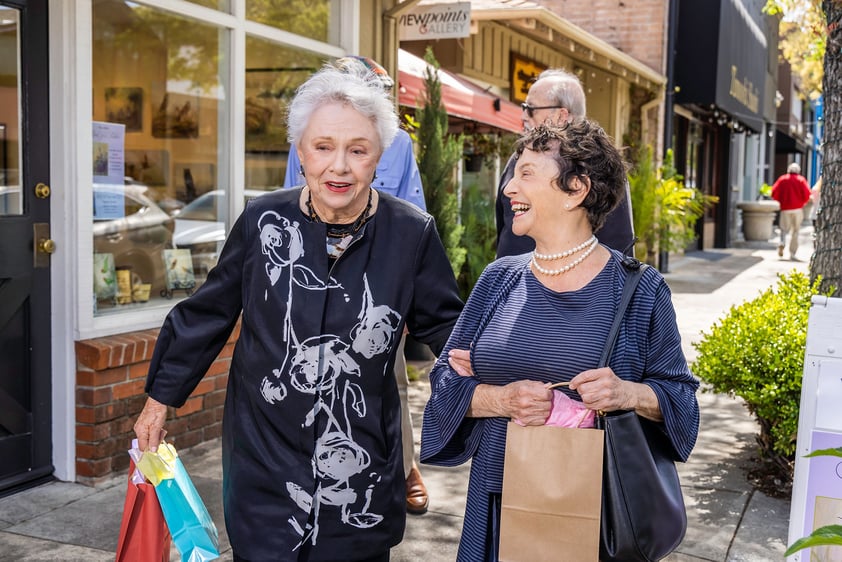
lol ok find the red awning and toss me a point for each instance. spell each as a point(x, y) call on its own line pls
point(462, 99)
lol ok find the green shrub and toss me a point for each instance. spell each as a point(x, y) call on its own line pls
point(756, 352)
point(479, 236)
point(412, 373)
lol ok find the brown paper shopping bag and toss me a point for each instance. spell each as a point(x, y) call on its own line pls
point(552, 491)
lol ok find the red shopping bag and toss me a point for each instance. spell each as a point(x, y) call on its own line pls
point(144, 536)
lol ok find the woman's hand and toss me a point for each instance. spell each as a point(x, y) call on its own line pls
point(602, 390)
point(460, 361)
point(527, 402)
point(149, 426)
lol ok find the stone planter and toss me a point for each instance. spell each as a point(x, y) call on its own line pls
point(758, 218)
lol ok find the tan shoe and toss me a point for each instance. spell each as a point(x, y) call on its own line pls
point(780, 250)
point(417, 499)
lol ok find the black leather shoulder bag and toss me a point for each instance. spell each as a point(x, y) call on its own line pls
point(643, 515)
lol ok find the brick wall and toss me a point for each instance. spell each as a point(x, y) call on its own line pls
point(110, 375)
point(636, 27)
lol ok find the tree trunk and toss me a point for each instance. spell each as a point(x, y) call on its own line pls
point(827, 259)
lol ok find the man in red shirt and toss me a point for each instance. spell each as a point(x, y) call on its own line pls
point(792, 191)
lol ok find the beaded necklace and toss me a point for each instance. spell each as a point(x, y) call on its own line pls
point(340, 230)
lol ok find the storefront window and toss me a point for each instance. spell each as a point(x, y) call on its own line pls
point(310, 18)
point(11, 202)
point(273, 73)
point(159, 126)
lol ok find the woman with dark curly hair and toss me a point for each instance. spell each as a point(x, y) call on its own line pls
point(542, 318)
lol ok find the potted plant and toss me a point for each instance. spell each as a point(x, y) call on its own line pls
point(758, 218)
point(479, 148)
point(664, 210)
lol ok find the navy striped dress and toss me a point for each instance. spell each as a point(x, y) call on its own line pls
point(518, 329)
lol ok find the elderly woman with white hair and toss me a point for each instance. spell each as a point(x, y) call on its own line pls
point(325, 276)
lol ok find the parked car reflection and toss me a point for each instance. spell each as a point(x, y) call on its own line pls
point(10, 201)
point(138, 237)
point(200, 227)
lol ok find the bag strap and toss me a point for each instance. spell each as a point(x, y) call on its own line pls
point(635, 271)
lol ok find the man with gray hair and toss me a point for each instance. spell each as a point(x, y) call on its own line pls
point(792, 191)
point(556, 97)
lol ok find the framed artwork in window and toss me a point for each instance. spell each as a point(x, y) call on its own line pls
point(192, 179)
point(175, 116)
point(125, 105)
point(179, 266)
point(105, 276)
point(149, 167)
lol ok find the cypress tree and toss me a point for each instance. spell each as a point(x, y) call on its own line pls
point(438, 155)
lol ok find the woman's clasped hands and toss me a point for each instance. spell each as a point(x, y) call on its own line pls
point(530, 402)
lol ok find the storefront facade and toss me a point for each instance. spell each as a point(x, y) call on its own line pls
point(514, 42)
point(795, 131)
point(725, 79)
point(131, 132)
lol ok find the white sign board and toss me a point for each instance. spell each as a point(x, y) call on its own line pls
point(109, 152)
point(817, 489)
point(436, 21)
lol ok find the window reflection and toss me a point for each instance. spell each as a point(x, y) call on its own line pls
point(11, 202)
point(160, 77)
point(315, 19)
point(694, 142)
point(135, 240)
point(273, 73)
point(201, 225)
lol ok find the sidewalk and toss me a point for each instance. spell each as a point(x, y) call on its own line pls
point(727, 519)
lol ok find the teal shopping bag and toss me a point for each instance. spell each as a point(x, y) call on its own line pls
point(192, 529)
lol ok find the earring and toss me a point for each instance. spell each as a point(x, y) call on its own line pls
point(567, 206)
point(301, 169)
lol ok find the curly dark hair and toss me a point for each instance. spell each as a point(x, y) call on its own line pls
point(582, 150)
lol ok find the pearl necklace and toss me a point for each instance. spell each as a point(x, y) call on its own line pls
point(564, 254)
point(567, 267)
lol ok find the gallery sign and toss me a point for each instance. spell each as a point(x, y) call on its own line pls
point(436, 21)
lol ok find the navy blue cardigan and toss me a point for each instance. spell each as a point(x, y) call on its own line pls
point(648, 350)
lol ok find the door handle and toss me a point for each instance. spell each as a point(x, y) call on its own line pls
point(42, 190)
point(44, 245)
